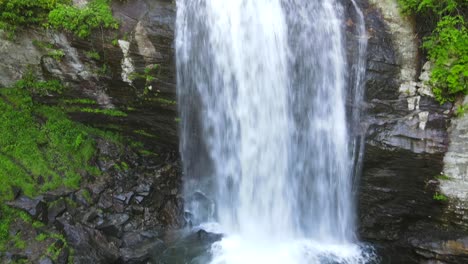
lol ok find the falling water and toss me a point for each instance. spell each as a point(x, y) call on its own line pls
point(264, 137)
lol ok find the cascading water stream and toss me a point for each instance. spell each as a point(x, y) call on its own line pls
point(267, 154)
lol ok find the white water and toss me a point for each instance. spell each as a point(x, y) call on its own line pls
point(264, 136)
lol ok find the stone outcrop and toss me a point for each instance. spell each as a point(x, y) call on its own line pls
point(456, 159)
point(406, 139)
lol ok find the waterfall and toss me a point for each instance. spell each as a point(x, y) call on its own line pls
point(267, 152)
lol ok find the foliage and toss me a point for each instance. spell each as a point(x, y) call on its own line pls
point(447, 46)
point(15, 13)
point(461, 110)
point(148, 75)
point(108, 112)
point(443, 177)
point(31, 83)
point(40, 148)
point(440, 197)
point(56, 13)
point(57, 54)
point(81, 21)
point(92, 54)
point(84, 101)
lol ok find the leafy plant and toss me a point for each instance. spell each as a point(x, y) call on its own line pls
point(31, 83)
point(440, 197)
point(82, 21)
point(60, 14)
point(19, 13)
point(443, 177)
point(461, 110)
point(92, 54)
point(57, 54)
point(447, 46)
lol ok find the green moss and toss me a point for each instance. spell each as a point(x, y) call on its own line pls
point(165, 101)
point(41, 149)
point(8, 216)
point(84, 101)
point(87, 196)
point(461, 110)
point(31, 83)
point(42, 44)
point(92, 54)
point(440, 197)
point(145, 152)
point(108, 112)
point(57, 54)
point(144, 133)
point(443, 177)
point(41, 237)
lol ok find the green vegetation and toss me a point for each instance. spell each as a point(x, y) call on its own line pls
point(21, 13)
point(40, 148)
point(84, 101)
point(461, 110)
point(109, 112)
point(440, 197)
point(57, 54)
point(165, 101)
point(60, 14)
point(443, 177)
point(92, 54)
point(42, 44)
point(8, 217)
point(148, 75)
point(447, 46)
point(81, 21)
point(30, 83)
point(144, 133)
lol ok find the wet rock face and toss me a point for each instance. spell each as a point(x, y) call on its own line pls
point(121, 217)
point(399, 114)
point(456, 160)
point(406, 139)
point(132, 70)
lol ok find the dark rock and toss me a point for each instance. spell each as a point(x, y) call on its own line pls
point(89, 245)
point(141, 253)
point(55, 209)
point(83, 197)
point(105, 201)
point(90, 216)
point(449, 251)
point(113, 225)
point(143, 188)
point(124, 197)
point(130, 239)
point(45, 260)
point(36, 207)
point(139, 199)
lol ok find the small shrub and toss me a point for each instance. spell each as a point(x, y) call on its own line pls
point(57, 54)
point(93, 55)
point(81, 21)
point(447, 46)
